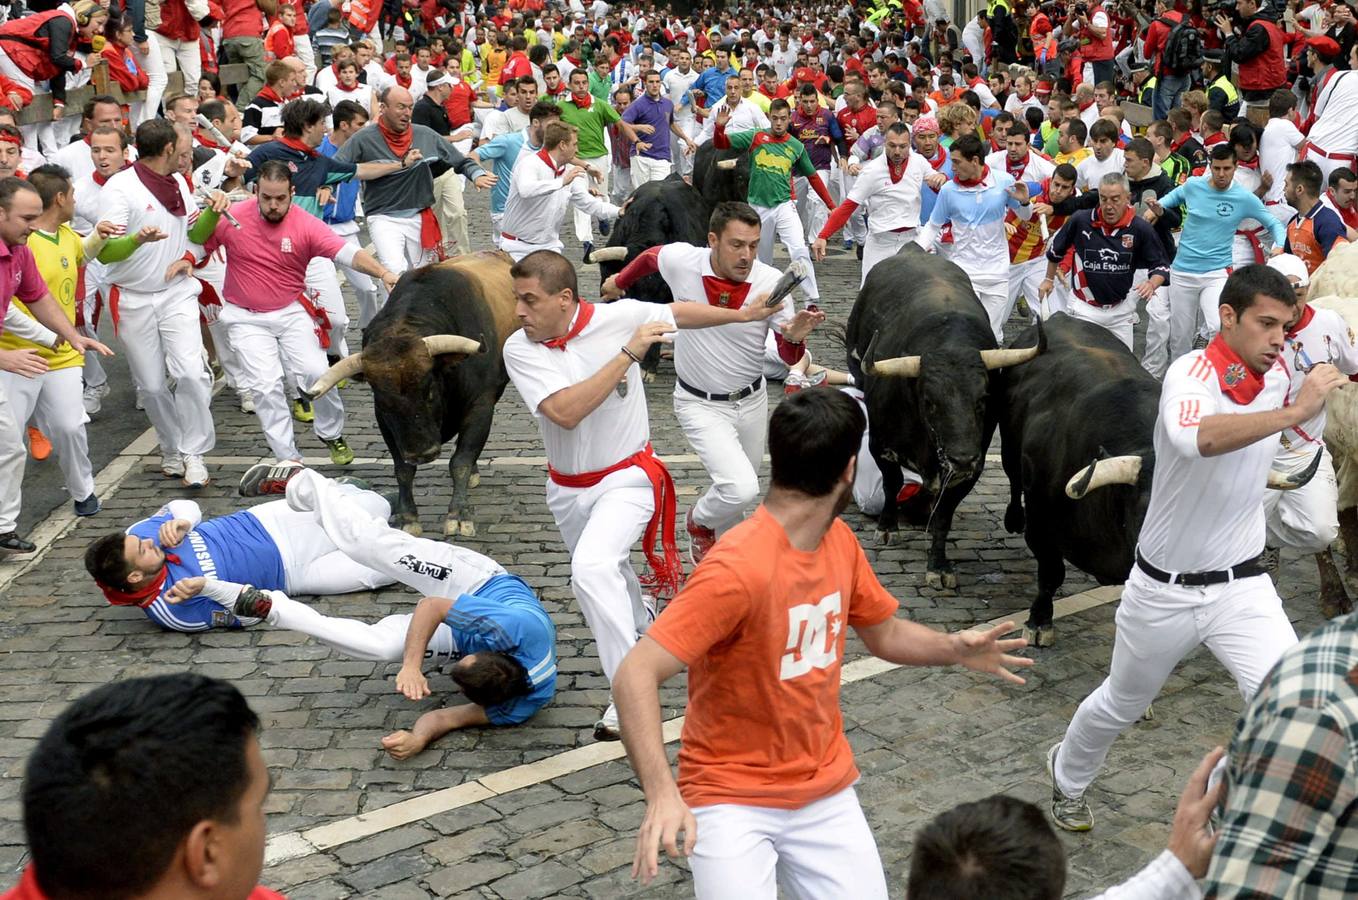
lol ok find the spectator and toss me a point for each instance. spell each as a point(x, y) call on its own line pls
point(243, 42)
point(1169, 81)
point(175, 24)
point(1221, 93)
point(117, 52)
point(1341, 197)
point(1257, 46)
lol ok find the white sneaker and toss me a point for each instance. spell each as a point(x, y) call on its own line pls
point(172, 465)
point(247, 402)
point(93, 397)
point(195, 473)
point(606, 729)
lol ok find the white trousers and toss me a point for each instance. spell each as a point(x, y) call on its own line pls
point(13, 455)
point(381, 641)
point(882, 245)
point(95, 285)
point(56, 397)
point(272, 346)
point(1327, 164)
point(1120, 318)
point(1024, 279)
point(811, 208)
point(1307, 519)
point(683, 162)
point(584, 230)
point(40, 133)
point(781, 221)
point(621, 184)
point(157, 80)
point(495, 219)
point(159, 332)
point(994, 296)
point(600, 525)
point(1191, 296)
point(182, 56)
point(312, 562)
point(1241, 622)
point(645, 169)
point(517, 250)
point(322, 278)
point(825, 849)
point(397, 242)
point(729, 439)
point(1155, 358)
point(365, 289)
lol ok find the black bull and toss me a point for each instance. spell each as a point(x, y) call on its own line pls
point(432, 357)
point(921, 346)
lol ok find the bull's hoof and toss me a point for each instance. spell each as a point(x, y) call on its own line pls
point(474, 480)
point(1334, 605)
point(1013, 518)
point(467, 529)
point(450, 527)
point(1041, 636)
point(1149, 714)
point(412, 528)
point(884, 537)
point(945, 579)
point(647, 377)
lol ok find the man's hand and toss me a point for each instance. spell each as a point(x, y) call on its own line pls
point(936, 180)
point(723, 116)
point(16, 100)
point(594, 173)
point(1042, 209)
point(1153, 211)
point(149, 235)
point(85, 344)
point(1045, 288)
point(184, 589)
point(177, 268)
point(172, 533)
point(236, 166)
point(218, 202)
point(1276, 250)
point(609, 290)
point(412, 156)
point(571, 173)
point(1189, 839)
point(1009, 229)
point(389, 279)
point(983, 651)
point(1224, 24)
point(1320, 381)
point(1019, 192)
point(486, 181)
point(818, 249)
point(648, 334)
point(1145, 290)
point(802, 324)
point(324, 195)
point(690, 147)
point(644, 129)
point(106, 230)
point(665, 818)
point(28, 363)
point(757, 310)
point(643, 146)
point(853, 169)
point(412, 683)
point(1265, 182)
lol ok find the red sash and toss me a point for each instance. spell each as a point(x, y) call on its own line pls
point(319, 316)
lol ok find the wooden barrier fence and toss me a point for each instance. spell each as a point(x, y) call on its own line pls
point(40, 110)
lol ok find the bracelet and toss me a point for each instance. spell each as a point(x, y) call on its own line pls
point(630, 355)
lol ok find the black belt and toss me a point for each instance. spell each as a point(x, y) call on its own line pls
point(1247, 569)
point(726, 398)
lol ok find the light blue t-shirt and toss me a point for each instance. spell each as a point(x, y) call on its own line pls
point(504, 151)
point(505, 616)
point(1211, 221)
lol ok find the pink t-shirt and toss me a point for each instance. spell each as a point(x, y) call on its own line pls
point(19, 277)
point(268, 262)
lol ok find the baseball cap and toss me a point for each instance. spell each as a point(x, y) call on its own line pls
point(1290, 267)
point(1044, 87)
point(1325, 46)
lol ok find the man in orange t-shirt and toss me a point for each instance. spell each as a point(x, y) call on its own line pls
point(765, 768)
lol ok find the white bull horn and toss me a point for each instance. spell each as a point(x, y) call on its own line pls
point(608, 254)
point(726, 163)
point(899, 367)
point(999, 359)
point(1103, 472)
point(451, 343)
point(1278, 481)
point(348, 367)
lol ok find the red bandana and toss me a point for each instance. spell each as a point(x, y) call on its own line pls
point(896, 174)
point(726, 294)
point(268, 93)
point(405, 81)
point(301, 146)
point(207, 141)
point(1085, 106)
point(142, 596)
point(1307, 314)
point(1238, 382)
point(940, 159)
point(1108, 229)
point(582, 101)
point(1252, 164)
point(551, 163)
point(583, 314)
point(1015, 169)
point(398, 143)
point(962, 182)
point(347, 88)
point(102, 180)
point(163, 187)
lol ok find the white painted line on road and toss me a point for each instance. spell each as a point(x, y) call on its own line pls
point(297, 844)
point(537, 462)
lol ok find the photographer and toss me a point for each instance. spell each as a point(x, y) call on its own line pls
point(1256, 44)
point(1091, 25)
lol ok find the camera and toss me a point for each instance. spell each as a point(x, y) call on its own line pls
point(1082, 9)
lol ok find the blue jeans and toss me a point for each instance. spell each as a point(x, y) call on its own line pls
point(1166, 96)
point(1103, 70)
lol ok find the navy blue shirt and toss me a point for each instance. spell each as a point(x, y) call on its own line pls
point(1106, 259)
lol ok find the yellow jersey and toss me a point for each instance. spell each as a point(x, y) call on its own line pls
point(59, 258)
point(1075, 158)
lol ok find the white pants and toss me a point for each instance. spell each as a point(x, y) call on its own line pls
point(1120, 318)
point(883, 245)
point(96, 286)
point(157, 80)
point(1241, 622)
point(621, 185)
point(397, 242)
point(182, 56)
point(365, 289)
point(159, 332)
point(56, 397)
point(1024, 279)
point(825, 849)
point(683, 162)
point(584, 230)
point(1307, 519)
point(1155, 358)
point(272, 346)
point(994, 296)
point(645, 169)
point(302, 48)
point(312, 562)
point(781, 221)
point(322, 278)
point(600, 525)
point(729, 439)
point(1328, 164)
point(495, 219)
point(1191, 296)
point(13, 454)
point(381, 641)
point(811, 208)
point(857, 229)
point(517, 250)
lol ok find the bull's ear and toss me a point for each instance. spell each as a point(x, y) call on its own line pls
point(359, 377)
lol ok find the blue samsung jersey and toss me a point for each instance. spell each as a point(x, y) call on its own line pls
point(505, 616)
point(233, 548)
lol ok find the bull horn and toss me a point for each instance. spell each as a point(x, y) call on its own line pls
point(1279, 482)
point(898, 367)
point(348, 367)
point(999, 359)
point(1103, 472)
point(726, 163)
point(608, 254)
point(451, 343)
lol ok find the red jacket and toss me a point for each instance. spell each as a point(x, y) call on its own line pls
point(32, 52)
point(1094, 48)
point(242, 19)
point(123, 69)
point(1157, 36)
point(279, 44)
point(1268, 70)
point(176, 22)
point(8, 87)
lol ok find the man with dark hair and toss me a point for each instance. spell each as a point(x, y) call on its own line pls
point(540, 190)
point(120, 775)
point(263, 117)
point(1315, 228)
point(1278, 145)
point(766, 776)
point(1258, 49)
point(1198, 577)
point(504, 152)
point(573, 362)
point(1107, 156)
point(108, 150)
point(1341, 195)
point(100, 110)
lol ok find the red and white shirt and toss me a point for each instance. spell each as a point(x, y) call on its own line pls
point(1321, 336)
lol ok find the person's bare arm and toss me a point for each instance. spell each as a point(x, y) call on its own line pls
point(569, 406)
point(430, 727)
point(908, 643)
point(429, 613)
point(51, 315)
point(1224, 433)
point(690, 314)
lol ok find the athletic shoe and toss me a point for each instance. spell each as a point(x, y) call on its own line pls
point(848, 245)
point(1070, 813)
point(195, 473)
point(700, 539)
point(245, 401)
point(588, 247)
point(301, 410)
point(252, 603)
point(12, 543)
point(648, 604)
point(172, 465)
point(1271, 561)
point(604, 227)
point(1200, 342)
point(858, 251)
point(39, 447)
point(268, 478)
point(138, 402)
point(93, 397)
point(606, 729)
point(817, 378)
point(87, 507)
point(340, 454)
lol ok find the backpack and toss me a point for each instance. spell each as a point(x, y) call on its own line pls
point(1183, 47)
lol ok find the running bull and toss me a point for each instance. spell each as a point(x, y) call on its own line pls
point(921, 346)
point(432, 358)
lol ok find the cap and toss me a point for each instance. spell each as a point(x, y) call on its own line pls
point(1290, 266)
point(1069, 45)
point(804, 74)
point(1325, 46)
point(1044, 87)
point(927, 124)
point(1138, 66)
point(1213, 56)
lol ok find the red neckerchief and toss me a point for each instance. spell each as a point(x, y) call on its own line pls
point(268, 93)
point(406, 82)
point(1127, 216)
point(1347, 213)
point(962, 182)
point(583, 314)
point(1015, 170)
point(348, 89)
point(575, 62)
point(301, 146)
point(163, 187)
point(1023, 99)
point(207, 141)
point(895, 175)
point(582, 102)
point(143, 596)
point(399, 144)
point(1237, 380)
point(723, 293)
point(1174, 147)
point(1085, 106)
point(1211, 140)
point(1307, 314)
point(1252, 164)
point(940, 159)
point(551, 163)
point(100, 179)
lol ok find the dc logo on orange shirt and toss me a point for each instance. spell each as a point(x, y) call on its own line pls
point(813, 631)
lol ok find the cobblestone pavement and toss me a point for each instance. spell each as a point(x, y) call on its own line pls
point(925, 740)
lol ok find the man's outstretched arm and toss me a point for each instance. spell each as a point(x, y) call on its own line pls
point(430, 727)
point(430, 612)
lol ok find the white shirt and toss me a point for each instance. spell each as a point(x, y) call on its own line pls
point(1249, 180)
point(725, 358)
point(1090, 170)
point(1336, 111)
point(75, 159)
point(677, 85)
point(1037, 167)
point(1325, 338)
point(87, 204)
point(618, 427)
point(362, 95)
point(130, 207)
point(1015, 107)
point(891, 206)
point(784, 61)
point(1090, 114)
point(325, 79)
point(973, 33)
point(503, 121)
point(745, 117)
point(1278, 150)
point(1207, 513)
point(537, 202)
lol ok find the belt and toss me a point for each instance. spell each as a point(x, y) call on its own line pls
point(902, 230)
point(1342, 157)
point(724, 398)
point(1247, 569)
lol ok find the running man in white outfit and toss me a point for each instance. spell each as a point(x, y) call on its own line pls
point(573, 364)
point(719, 395)
point(1198, 577)
point(543, 185)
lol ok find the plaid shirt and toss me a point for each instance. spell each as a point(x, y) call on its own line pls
point(1289, 829)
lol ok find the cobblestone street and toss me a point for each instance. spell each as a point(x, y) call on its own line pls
point(925, 740)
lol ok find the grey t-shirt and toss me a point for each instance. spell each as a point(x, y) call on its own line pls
point(411, 188)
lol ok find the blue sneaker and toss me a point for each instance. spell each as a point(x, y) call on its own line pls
point(87, 507)
point(848, 244)
point(604, 227)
